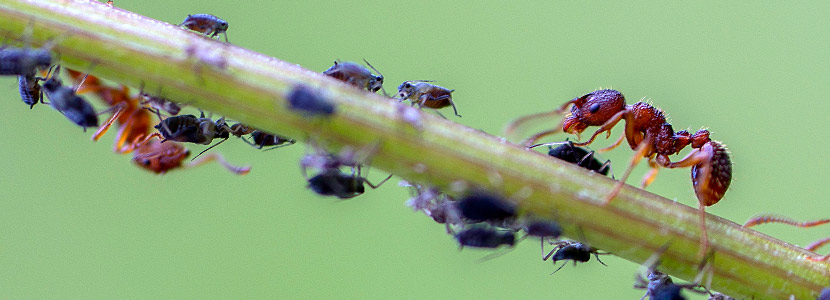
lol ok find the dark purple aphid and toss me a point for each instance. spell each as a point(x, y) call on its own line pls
point(356, 75)
point(333, 182)
point(572, 250)
point(24, 61)
point(484, 237)
point(307, 101)
point(481, 207)
point(64, 99)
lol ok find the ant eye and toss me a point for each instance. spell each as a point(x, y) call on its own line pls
point(145, 162)
point(594, 108)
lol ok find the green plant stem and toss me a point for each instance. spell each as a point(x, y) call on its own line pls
point(250, 87)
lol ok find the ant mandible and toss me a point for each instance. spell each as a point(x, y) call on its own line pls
point(652, 137)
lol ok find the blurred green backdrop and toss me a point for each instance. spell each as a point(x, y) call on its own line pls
point(81, 222)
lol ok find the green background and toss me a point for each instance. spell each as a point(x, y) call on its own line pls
point(77, 221)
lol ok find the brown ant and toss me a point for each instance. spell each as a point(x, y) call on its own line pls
point(784, 220)
point(357, 75)
point(161, 157)
point(207, 24)
point(652, 137)
point(425, 94)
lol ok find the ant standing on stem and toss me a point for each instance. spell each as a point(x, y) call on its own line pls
point(650, 136)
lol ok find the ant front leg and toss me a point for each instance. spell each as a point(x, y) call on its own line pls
point(221, 160)
point(606, 127)
point(651, 175)
point(643, 148)
point(121, 107)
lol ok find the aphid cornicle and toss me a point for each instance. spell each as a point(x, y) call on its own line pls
point(207, 24)
point(64, 99)
point(425, 94)
point(356, 75)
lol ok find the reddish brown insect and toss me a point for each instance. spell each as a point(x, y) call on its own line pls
point(424, 94)
point(764, 219)
point(652, 137)
point(134, 123)
point(207, 24)
point(161, 157)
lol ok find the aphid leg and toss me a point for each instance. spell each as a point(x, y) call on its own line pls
point(221, 160)
point(604, 128)
point(120, 108)
point(652, 173)
point(597, 254)
point(606, 166)
point(208, 148)
point(614, 145)
point(644, 147)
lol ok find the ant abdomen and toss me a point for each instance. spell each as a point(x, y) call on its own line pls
point(718, 171)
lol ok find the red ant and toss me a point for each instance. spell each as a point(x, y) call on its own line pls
point(650, 136)
point(778, 219)
point(134, 127)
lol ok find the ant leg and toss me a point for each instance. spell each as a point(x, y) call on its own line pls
point(221, 160)
point(514, 125)
point(605, 128)
point(644, 147)
point(820, 259)
point(614, 145)
point(106, 126)
point(651, 175)
point(778, 219)
point(815, 245)
point(529, 141)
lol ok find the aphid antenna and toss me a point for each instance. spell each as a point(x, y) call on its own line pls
point(550, 144)
point(211, 147)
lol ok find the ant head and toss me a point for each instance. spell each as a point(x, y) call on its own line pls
point(700, 138)
point(593, 109)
